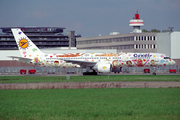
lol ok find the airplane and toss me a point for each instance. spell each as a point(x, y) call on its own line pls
point(96, 62)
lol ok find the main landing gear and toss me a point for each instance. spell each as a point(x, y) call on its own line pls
point(154, 73)
point(90, 73)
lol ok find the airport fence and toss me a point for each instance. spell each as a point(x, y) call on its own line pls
point(63, 71)
point(41, 70)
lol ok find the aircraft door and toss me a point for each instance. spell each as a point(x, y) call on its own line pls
point(156, 59)
point(123, 58)
point(41, 58)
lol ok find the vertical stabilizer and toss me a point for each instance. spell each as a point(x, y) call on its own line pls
point(26, 47)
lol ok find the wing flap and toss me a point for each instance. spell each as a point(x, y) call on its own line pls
point(82, 62)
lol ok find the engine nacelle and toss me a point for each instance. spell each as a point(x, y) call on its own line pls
point(104, 68)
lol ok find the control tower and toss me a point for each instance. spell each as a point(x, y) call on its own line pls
point(136, 22)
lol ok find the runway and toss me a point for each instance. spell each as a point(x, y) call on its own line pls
point(86, 85)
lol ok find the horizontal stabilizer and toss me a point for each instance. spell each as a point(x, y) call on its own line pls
point(20, 58)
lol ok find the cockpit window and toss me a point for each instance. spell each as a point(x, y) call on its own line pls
point(167, 58)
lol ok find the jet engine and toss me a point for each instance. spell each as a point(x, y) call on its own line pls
point(104, 68)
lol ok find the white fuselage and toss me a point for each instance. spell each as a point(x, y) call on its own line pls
point(116, 60)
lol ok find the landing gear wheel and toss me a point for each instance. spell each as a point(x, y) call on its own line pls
point(90, 73)
point(154, 73)
point(84, 73)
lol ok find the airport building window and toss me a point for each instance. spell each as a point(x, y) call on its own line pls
point(122, 39)
point(3, 38)
point(113, 47)
point(144, 37)
point(152, 46)
point(136, 37)
point(126, 39)
point(144, 46)
point(107, 40)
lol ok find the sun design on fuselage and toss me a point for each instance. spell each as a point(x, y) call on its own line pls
point(23, 43)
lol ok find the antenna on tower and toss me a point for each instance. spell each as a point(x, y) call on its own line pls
point(136, 16)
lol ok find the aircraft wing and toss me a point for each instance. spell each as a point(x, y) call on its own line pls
point(86, 63)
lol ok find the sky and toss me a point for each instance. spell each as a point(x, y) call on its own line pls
point(90, 17)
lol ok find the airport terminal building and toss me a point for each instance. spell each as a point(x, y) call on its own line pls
point(43, 37)
point(131, 42)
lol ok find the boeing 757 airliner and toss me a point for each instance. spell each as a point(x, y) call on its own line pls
point(98, 62)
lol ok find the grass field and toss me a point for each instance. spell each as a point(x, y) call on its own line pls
point(90, 104)
point(27, 79)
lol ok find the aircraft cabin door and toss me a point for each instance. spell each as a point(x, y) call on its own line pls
point(123, 58)
point(156, 59)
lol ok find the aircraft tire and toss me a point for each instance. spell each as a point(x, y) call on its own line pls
point(90, 73)
point(95, 73)
point(154, 73)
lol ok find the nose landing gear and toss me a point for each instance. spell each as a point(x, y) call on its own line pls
point(154, 72)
